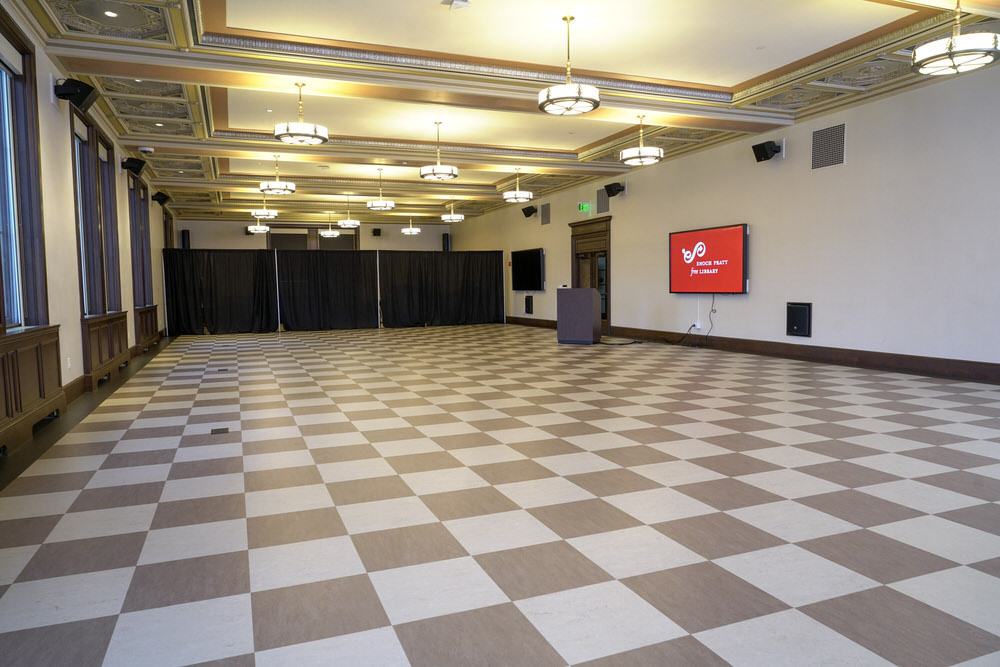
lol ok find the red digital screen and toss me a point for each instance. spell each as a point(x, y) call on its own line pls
point(709, 261)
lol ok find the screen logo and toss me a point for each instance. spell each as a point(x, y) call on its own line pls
point(698, 251)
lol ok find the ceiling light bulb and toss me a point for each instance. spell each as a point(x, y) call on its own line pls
point(258, 229)
point(111, 15)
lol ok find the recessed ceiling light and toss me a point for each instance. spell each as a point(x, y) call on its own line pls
point(138, 80)
point(111, 15)
point(270, 110)
point(181, 171)
point(158, 124)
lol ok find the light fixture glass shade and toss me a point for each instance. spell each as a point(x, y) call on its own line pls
point(277, 187)
point(452, 217)
point(569, 99)
point(258, 229)
point(438, 172)
point(348, 223)
point(381, 205)
point(301, 134)
point(638, 156)
point(956, 54)
point(264, 213)
point(517, 196)
point(329, 233)
point(411, 230)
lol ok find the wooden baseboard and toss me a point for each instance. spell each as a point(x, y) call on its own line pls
point(74, 389)
point(531, 322)
point(956, 369)
point(19, 430)
point(110, 367)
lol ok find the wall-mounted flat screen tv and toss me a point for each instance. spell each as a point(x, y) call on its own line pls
point(709, 261)
point(527, 270)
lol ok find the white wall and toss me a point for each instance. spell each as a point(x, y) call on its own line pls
point(896, 248)
point(214, 235)
point(392, 238)
point(210, 234)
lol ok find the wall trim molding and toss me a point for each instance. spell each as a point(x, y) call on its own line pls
point(74, 388)
point(531, 322)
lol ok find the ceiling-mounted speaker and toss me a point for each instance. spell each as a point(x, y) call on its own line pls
point(769, 149)
point(133, 164)
point(529, 211)
point(614, 189)
point(161, 198)
point(77, 93)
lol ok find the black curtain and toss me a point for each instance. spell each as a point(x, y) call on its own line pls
point(440, 288)
point(328, 289)
point(224, 291)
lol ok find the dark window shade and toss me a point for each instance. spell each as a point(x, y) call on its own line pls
point(88, 227)
point(328, 289)
point(142, 270)
point(109, 228)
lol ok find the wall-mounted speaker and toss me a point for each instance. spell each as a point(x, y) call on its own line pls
point(767, 150)
point(529, 304)
point(614, 189)
point(133, 164)
point(529, 211)
point(376, 231)
point(446, 242)
point(798, 319)
point(161, 198)
point(76, 93)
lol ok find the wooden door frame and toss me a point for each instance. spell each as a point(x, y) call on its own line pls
point(593, 235)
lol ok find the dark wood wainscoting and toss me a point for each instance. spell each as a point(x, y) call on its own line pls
point(147, 331)
point(105, 346)
point(31, 381)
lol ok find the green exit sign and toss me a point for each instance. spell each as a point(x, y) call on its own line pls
point(583, 207)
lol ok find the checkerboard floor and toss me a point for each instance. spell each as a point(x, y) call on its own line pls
point(481, 495)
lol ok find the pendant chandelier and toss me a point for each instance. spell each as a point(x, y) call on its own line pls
point(958, 53)
point(568, 99)
point(301, 133)
point(264, 213)
point(411, 230)
point(452, 217)
point(348, 222)
point(258, 229)
point(438, 172)
point(277, 186)
point(329, 232)
point(640, 155)
point(380, 204)
point(517, 195)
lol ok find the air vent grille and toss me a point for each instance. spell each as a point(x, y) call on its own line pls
point(602, 201)
point(828, 147)
point(546, 214)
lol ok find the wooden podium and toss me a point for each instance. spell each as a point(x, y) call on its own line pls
point(578, 315)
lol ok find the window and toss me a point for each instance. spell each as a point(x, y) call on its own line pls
point(96, 219)
point(22, 248)
point(142, 271)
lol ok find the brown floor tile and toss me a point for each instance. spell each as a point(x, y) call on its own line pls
point(571, 429)
point(398, 547)
point(681, 651)
point(859, 508)
point(495, 636)
point(739, 442)
point(366, 490)
point(199, 510)
point(155, 431)
point(58, 559)
point(206, 468)
point(274, 529)
point(309, 612)
point(117, 496)
point(363, 415)
point(703, 596)
point(512, 471)
point(732, 465)
point(848, 474)
point(991, 566)
point(84, 449)
point(635, 456)
point(214, 417)
point(877, 557)
point(24, 532)
point(901, 629)
point(429, 420)
point(983, 517)
point(28, 486)
point(967, 483)
point(327, 429)
point(280, 478)
point(584, 517)
point(269, 422)
point(203, 439)
point(467, 502)
point(423, 462)
point(540, 569)
point(539, 448)
point(717, 535)
point(612, 482)
point(832, 431)
point(464, 440)
point(188, 580)
point(743, 424)
point(155, 457)
point(839, 450)
point(928, 436)
point(92, 426)
point(391, 434)
point(273, 446)
point(81, 644)
point(727, 494)
point(952, 458)
point(348, 453)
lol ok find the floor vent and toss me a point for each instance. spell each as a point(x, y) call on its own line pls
point(220, 431)
point(828, 147)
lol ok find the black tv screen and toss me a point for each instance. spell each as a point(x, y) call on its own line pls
point(527, 270)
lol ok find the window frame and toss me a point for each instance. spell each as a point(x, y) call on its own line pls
point(142, 264)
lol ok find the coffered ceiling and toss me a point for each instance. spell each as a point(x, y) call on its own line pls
point(203, 82)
